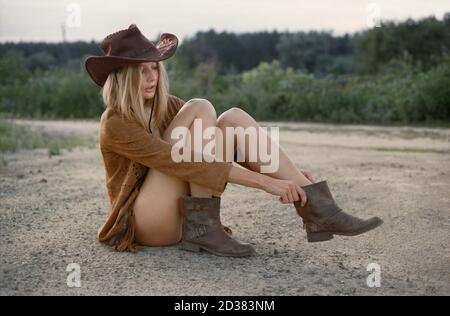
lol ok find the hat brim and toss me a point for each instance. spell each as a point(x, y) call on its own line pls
point(99, 67)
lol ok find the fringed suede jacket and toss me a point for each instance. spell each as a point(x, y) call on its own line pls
point(128, 152)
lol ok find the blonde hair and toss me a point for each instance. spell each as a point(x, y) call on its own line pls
point(124, 96)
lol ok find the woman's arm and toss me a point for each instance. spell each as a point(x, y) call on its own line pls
point(126, 138)
point(287, 190)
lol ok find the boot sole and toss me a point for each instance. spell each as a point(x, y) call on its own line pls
point(318, 237)
point(185, 245)
point(325, 236)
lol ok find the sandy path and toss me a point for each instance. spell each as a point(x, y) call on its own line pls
point(400, 174)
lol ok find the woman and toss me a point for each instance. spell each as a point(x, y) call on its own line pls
point(156, 201)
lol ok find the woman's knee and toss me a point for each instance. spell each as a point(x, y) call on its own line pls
point(202, 108)
point(231, 117)
point(193, 109)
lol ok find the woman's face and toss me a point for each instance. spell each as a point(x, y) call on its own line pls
point(149, 79)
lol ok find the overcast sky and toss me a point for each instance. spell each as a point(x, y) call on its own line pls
point(41, 20)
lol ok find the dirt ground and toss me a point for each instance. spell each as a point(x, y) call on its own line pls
point(51, 208)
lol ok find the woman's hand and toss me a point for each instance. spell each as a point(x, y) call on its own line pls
point(287, 190)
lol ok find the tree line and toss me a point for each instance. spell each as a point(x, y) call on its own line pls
point(396, 72)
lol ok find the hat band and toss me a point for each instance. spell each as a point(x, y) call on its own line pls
point(138, 53)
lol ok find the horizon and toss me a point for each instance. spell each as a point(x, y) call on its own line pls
point(87, 21)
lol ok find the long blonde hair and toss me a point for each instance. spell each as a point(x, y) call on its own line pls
point(121, 92)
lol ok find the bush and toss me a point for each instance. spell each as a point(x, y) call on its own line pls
point(400, 92)
point(14, 137)
point(53, 94)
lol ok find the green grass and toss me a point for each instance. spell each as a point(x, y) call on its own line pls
point(3, 161)
point(403, 134)
point(413, 150)
point(387, 149)
point(14, 137)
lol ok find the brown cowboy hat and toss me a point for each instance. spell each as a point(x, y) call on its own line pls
point(126, 47)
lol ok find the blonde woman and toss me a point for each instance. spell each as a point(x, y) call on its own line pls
point(157, 201)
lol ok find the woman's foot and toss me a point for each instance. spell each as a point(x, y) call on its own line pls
point(323, 218)
point(202, 229)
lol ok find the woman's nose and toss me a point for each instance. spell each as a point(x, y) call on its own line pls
point(151, 76)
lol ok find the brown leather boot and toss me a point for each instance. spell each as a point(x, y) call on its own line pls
point(202, 229)
point(323, 218)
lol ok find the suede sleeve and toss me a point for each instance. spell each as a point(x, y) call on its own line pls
point(128, 139)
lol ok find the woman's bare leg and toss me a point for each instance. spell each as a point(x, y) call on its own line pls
point(194, 109)
point(236, 117)
point(158, 221)
point(157, 218)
